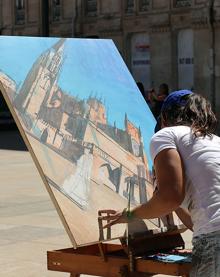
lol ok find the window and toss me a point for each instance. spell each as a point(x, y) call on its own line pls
point(56, 10)
point(19, 4)
point(182, 3)
point(19, 12)
point(91, 7)
point(130, 6)
point(144, 5)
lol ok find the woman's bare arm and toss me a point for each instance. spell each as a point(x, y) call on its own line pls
point(185, 217)
point(170, 183)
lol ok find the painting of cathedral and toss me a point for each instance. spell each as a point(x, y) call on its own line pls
point(85, 123)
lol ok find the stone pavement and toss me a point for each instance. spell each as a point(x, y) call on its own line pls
point(29, 224)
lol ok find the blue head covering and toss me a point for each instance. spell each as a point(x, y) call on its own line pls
point(175, 98)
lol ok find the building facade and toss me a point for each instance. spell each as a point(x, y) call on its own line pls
point(162, 41)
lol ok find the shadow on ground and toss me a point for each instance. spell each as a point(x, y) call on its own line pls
point(11, 139)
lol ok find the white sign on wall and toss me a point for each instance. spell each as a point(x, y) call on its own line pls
point(140, 59)
point(185, 59)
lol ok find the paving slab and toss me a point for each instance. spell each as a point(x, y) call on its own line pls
point(29, 224)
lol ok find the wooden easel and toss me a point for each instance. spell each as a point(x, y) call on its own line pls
point(112, 260)
point(88, 260)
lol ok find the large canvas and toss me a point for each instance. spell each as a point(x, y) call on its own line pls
point(85, 123)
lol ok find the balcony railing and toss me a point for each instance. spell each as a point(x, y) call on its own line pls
point(20, 16)
point(182, 3)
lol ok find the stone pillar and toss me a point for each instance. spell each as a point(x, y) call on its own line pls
point(202, 61)
point(161, 57)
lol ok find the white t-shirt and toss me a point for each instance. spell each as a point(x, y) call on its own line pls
point(201, 159)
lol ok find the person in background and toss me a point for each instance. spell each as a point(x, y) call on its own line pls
point(156, 103)
point(157, 99)
point(186, 157)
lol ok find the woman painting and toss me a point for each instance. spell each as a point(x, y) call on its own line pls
point(186, 156)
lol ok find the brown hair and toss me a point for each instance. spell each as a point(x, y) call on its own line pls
point(196, 113)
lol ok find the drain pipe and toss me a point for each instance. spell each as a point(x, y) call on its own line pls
point(212, 52)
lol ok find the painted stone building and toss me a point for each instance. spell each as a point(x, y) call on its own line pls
point(76, 128)
point(162, 41)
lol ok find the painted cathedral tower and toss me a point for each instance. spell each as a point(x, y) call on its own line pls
point(41, 81)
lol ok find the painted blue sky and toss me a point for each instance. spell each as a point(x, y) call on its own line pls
point(90, 67)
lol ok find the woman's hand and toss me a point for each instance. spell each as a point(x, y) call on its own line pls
point(114, 217)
